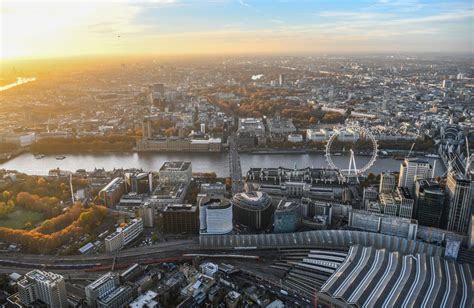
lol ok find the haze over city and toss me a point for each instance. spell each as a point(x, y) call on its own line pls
point(176, 27)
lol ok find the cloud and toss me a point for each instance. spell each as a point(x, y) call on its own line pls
point(444, 17)
point(351, 14)
point(243, 3)
point(68, 27)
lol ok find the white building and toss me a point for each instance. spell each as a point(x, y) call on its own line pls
point(146, 300)
point(412, 169)
point(213, 189)
point(175, 171)
point(215, 215)
point(399, 203)
point(48, 287)
point(100, 288)
point(318, 135)
point(348, 135)
point(114, 241)
point(209, 269)
point(123, 236)
point(132, 230)
point(295, 138)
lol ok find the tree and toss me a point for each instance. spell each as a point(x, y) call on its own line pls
point(6, 195)
point(172, 131)
point(85, 218)
point(6, 208)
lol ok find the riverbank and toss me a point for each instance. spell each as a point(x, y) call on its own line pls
point(6, 156)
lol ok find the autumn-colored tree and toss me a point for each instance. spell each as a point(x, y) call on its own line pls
point(172, 131)
point(36, 241)
point(6, 208)
point(6, 195)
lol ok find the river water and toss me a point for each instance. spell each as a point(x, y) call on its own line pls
point(201, 162)
point(19, 81)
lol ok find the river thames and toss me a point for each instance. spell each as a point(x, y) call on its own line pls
point(201, 162)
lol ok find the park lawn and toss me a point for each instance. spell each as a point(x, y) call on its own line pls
point(19, 218)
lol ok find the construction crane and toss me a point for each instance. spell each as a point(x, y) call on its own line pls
point(71, 187)
point(414, 142)
point(469, 159)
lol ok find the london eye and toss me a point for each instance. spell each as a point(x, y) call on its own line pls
point(355, 134)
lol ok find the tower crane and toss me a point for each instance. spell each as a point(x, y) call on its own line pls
point(414, 142)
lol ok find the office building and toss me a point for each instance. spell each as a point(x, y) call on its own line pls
point(412, 169)
point(140, 183)
point(429, 200)
point(233, 299)
point(147, 300)
point(459, 193)
point(114, 241)
point(146, 212)
point(118, 298)
point(112, 192)
point(447, 84)
point(405, 202)
point(217, 189)
point(253, 210)
point(387, 183)
point(124, 235)
point(279, 128)
point(215, 215)
point(251, 132)
point(399, 203)
point(181, 218)
point(175, 172)
point(133, 229)
point(100, 288)
point(168, 193)
point(281, 80)
point(318, 135)
point(370, 194)
point(209, 269)
point(287, 217)
point(47, 287)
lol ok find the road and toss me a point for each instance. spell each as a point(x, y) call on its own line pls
point(235, 169)
point(161, 250)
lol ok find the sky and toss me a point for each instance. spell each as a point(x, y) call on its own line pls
point(39, 28)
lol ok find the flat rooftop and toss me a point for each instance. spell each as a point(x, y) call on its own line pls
point(180, 208)
point(175, 166)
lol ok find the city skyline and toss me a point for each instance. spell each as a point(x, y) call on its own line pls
point(37, 29)
point(218, 153)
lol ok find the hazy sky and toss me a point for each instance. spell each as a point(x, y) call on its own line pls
point(59, 28)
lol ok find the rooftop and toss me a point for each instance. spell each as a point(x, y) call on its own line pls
point(175, 166)
point(180, 208)
point(374, 278)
